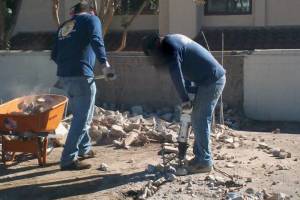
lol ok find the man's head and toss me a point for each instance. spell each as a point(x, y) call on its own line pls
point(83, 6)
point(152, 47)
point(151, 44)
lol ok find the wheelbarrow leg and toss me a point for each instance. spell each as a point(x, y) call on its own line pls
point(44, 152)
point(39, 151)
point(3, 150)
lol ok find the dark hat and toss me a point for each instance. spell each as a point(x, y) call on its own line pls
point(150, 43)
point(81, 7)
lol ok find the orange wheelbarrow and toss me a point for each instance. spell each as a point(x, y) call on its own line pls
point(25, 123)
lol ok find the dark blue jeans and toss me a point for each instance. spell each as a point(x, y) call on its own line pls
point(81, 92)
point(204, 104)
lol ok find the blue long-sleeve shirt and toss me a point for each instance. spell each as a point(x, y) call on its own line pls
point(78, 43)
point(189, 62)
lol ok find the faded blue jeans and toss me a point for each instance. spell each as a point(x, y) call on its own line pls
point(204, 104)
point(81, 92)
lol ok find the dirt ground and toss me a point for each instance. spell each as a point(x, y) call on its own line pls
point(126, 173)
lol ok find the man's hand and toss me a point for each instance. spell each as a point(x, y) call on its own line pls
point(108, 72)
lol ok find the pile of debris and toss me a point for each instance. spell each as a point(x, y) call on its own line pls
point(35, 104)
point(125, 130)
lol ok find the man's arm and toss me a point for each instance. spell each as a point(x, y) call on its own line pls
point(54, 50)
point(95, 34)
point(177, 77)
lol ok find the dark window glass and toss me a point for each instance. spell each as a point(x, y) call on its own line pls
point(228, 7)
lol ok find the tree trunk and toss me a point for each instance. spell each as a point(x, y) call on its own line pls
point(128, 23)
point(2, 24)
point(106, 12)
point(55, 12)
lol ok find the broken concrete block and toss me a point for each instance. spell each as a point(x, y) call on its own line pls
point(276, 131)
point(133, 136)
point(263, 145)
point(229, 140)
point(210, 178)
point(103, 167)
point(170, 136)
point(168, 150)
point(282, 155)
point(234, 196)
point(117, 143)
point(282, 167)
point(159, 182)
point(219, 181)
point(235, 145)
point(276, 152)
point(128, 127)
point(117, 131)
point(174, 127)
point(230, 165)
point(249, 180)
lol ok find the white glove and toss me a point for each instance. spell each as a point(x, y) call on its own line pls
point(191, 96)
point(109, 72)
point(185, 106)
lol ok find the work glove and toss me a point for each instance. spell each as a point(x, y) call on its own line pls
point(186, 106)
point(109, 72)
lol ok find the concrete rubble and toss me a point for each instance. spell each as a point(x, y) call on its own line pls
point(136, 128)
point(125, 130)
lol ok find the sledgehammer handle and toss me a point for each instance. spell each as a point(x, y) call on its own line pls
point(99, 77)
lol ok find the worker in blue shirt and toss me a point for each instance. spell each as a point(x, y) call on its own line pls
point(191, 64)
point(79, 42)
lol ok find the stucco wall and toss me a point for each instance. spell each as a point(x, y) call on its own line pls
point(23, 73)
point(271, 85)
point(138, 81)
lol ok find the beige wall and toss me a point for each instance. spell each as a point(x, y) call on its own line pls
point(283, 12)
point(36, 16)
point(271, 85)
point(178, 16)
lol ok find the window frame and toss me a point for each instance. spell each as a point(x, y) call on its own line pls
point(210, 13)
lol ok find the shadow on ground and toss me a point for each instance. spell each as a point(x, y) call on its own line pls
point(71, 187)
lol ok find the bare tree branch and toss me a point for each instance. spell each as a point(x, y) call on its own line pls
point(108, 17)
point(127, 24)
point(55, 12)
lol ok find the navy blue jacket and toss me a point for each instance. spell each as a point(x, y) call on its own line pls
point(189, 62)
point(78, 42)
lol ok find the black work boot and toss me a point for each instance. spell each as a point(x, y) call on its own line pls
point(76, 165)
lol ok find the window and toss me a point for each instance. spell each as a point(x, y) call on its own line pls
point(228, 7)
point(130, 7)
